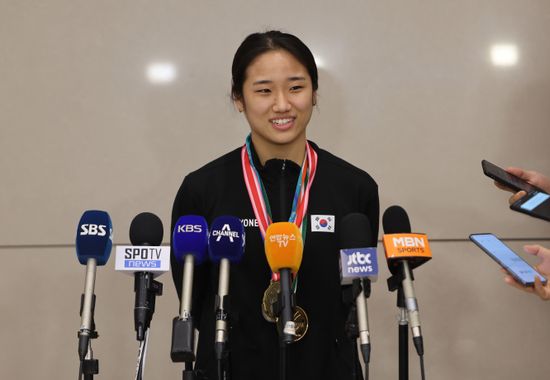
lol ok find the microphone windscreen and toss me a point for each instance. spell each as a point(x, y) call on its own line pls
point(396, 221)
point(190, 237)
point(146, 229)
point(227, 239)
point(94, 237)
point(355, 232)
point(283, 246)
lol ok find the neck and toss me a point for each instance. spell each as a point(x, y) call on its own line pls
point(295, 151)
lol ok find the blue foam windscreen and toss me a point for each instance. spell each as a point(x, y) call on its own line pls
point(94, 237)
point(227, 239)
point(190, 237)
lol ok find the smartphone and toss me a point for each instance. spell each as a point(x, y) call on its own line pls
point(503, 177)
point(518, 268)
point(536, 204)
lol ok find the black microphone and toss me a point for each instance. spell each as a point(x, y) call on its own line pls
point(405, 251)
point(146, 230)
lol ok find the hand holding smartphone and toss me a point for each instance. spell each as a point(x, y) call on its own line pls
point(518, 268)
point(504, 178)
point(536, 203)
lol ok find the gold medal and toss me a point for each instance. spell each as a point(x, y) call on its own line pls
point(299, 317)
point(301, 322)
point(270, 297)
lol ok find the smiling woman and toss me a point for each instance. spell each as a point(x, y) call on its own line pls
point(277, 101)
point(277, 175)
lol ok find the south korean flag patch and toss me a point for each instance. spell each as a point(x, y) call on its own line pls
point(322, 223)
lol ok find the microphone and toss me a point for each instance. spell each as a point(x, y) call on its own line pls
point(404, 252)
point(94, 240)
point(283, 249)
point(358, 264)
point(226, 246)
point(189, 243)
point(145, 260)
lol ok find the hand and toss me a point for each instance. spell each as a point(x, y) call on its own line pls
point(543, 291)
point(530, 176)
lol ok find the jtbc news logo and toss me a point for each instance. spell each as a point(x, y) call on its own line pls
point(358, 262)
point(225, 231)
point(282, 239)
point(137, 258)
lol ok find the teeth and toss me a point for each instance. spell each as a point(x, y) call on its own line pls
point(281, 121)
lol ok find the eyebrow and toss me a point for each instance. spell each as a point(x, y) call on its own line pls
point(267, 81)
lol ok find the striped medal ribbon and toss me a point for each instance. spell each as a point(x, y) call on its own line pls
point(258, 195)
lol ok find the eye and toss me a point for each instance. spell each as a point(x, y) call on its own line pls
point(263, 91)
point(296, 88)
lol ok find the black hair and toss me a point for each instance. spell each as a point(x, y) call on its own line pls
point(258, 43)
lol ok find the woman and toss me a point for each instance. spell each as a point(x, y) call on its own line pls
point(275, 85)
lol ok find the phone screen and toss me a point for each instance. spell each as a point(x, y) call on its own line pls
point(508, 259)
point(535, 201)
point(535, 204)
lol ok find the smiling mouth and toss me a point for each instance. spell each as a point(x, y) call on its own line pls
point(282, 124)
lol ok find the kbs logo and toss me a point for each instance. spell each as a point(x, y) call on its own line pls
point(93, 230)
point(225, 231)
point(196, 228)
point(281, 239)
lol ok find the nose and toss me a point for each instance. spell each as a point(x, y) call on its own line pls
point(281, 103)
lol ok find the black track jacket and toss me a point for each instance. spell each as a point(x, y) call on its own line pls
point(217, 189)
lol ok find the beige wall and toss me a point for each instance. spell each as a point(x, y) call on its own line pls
point(407, 92)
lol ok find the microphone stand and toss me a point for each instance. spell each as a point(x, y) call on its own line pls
point(183, 338)
point(349, 296)
point(395, 282)
point(284, 310)
point(146, 289)
point(223, 313)
point(88, 365)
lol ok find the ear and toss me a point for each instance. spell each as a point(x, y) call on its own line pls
point(314, 98)
point(239, 105)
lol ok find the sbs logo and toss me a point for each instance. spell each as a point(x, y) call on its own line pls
point(93, 230)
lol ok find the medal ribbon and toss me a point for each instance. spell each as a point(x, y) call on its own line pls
point(258, 196)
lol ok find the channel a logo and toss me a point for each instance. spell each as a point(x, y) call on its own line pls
point(225, 231)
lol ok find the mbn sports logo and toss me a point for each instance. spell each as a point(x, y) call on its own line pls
point(409, 244)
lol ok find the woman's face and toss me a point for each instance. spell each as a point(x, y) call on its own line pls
point(277, 100)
